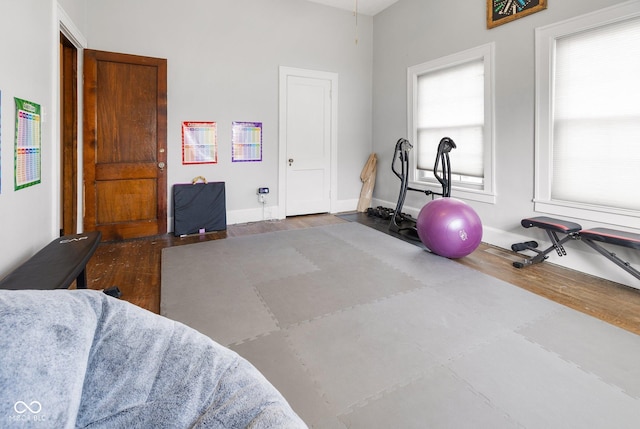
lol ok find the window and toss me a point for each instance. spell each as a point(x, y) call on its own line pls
point(588, 117)
point(453, 97)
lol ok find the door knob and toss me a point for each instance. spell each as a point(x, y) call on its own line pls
point(161, 165)
point(290, 161)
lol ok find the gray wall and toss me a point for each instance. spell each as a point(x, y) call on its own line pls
point(415, 31)
point(223, 59)
point(28, 219)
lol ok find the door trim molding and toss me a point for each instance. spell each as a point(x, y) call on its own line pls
point(70, 30)
point(285, 72)
point(66, 26)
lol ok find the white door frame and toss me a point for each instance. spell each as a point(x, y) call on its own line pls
point(285, 72)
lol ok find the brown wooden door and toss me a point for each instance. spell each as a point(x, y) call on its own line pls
point(125, 135)
point(69, 135)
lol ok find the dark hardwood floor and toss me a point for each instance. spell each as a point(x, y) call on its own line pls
point(134, 266)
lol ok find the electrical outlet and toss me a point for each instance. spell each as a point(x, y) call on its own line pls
point(261, 198)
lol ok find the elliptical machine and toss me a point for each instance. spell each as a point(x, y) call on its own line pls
point(404, 223)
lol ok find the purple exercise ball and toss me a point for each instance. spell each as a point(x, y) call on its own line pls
point(449, 227)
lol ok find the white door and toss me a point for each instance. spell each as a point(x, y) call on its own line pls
point(307, 133)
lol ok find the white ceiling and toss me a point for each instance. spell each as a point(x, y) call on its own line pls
point(365, 7)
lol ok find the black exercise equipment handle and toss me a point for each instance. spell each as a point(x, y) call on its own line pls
point(401, 153)
point(403, 146)
point(444, 147)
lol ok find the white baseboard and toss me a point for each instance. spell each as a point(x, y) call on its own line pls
point(341, 206)
point(271, 212)
point(578, 257)
point(235, 217)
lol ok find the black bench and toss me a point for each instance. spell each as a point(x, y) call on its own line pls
point(611, 236)
point(57, 265)
point(573, 231)
point(552, 227)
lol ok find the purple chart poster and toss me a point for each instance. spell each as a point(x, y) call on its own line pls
point(246, 141)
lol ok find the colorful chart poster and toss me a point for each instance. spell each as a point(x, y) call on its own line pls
point(246, 141)
point(28, 155)
point(199, 143)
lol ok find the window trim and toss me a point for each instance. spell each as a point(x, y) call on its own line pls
point(487, 194)
point(545, 42)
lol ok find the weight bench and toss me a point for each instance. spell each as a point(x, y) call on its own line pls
point(574, 231)
point(57, 265)
point(611, 236)
point(552, 227)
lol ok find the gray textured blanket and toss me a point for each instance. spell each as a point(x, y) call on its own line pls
point(72, 358)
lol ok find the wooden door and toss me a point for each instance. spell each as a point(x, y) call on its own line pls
point(308, 144)
point(125, 134)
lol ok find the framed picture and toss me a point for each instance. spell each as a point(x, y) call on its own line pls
point(28, 144)
point(246, 141)
point(199, 143)
point(502, 11)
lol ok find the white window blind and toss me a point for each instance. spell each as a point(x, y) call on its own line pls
point(450, 102)
point(596, 117)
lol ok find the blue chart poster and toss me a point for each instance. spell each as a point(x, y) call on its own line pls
point(27, 149)
point(0, 142)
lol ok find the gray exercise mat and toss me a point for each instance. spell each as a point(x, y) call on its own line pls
point(358, 329)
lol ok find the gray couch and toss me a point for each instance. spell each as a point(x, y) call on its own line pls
point(79, 358)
